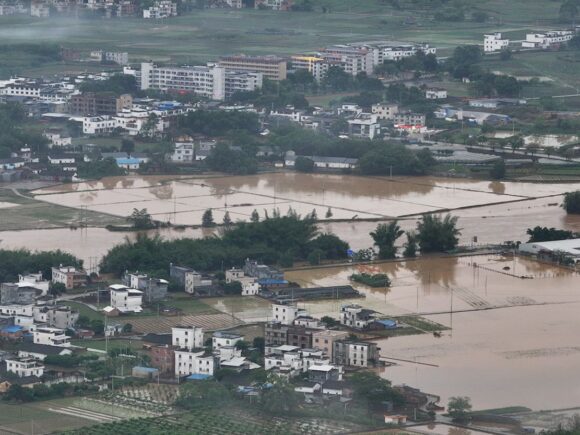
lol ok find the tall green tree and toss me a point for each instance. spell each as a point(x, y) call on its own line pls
point(572, 202)
point(436, 234)
point(140, 219)
point(385, 237)
point(459, 408)
point(373, 390)
point(207, 219)
point(410, 244)
point(255, 217)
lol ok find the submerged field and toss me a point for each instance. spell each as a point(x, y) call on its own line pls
point(505, 331)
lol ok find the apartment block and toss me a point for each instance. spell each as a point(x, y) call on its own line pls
point(211, 81)
point(95, 104)
point(272, 67)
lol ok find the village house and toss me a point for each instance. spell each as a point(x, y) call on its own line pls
point(41, 351)
point(153, 289)
point(386, 111)
point(187, 337)
point(221, 339)
point(494, 42)
point(250, 286)
point(183, 152)
point(352, 353)
point(435, 94)
point(364, 126)
point(125, 299)
point(356, 316)
point(24, 367)
point(322, 162)
point(324, 340)
point(69, 276)
point(50, 336)
point(195, 362)
point(286, 314)
point(15, 294)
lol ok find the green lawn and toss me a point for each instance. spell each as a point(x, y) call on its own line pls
point(33, 214)
point(85, 311)
point(113, 344)
point(188, 304)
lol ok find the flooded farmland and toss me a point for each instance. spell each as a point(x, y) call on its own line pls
point(482, 206)
point(510, 337)
point(505, 331)
point(183, 201)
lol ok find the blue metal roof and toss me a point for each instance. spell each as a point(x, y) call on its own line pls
point(270, 281)
point(11, 329)
point(129, 161)
point(387, 323)
point(198, 377)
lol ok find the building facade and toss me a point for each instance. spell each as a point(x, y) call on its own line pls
point(271, 67)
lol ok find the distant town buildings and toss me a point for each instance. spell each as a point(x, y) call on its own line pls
point(161, 9)
point(271, 67)
point(210, 81)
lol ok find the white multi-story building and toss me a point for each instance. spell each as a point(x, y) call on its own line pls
point(494, 42)
point(195, 279)
point(39, 10)
point(394, 51)
point(385, 110)
point(547, 39)
point(34, 280)
point(24, 367)
point(50, 336)
point(16, 310)
point(286, 314)
point(60, 317)
point(250, 285)
point(356, 316)
point(221, 339)
point(161, 9)
point(353, 60)
point(19, 88)
point(209, 81)
point(125, 299)
point(435, 94)
point(364, 126)
point(315, 65)
point(70, 276)
point(194, 363)
point(184, 152)
point(98, 124)
point(187, 337)
point(355, 353)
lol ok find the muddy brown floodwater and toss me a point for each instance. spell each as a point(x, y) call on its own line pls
point(492, 211)
point(513, 341)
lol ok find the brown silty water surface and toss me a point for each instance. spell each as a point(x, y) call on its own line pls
point(513, 341)
point(184, 201)
point(500, 211)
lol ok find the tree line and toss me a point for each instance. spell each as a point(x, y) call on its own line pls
point(276, 240)
point(15, 262)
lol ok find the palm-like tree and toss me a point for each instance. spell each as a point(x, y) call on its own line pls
point(385, 236)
